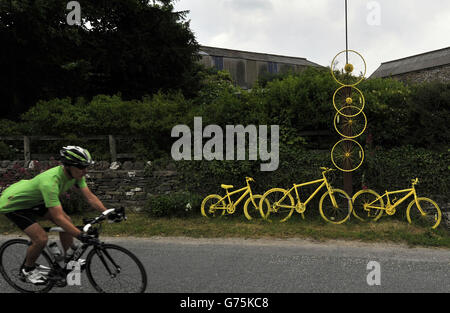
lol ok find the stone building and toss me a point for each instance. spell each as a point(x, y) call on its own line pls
point(433, 65)
point(246, 67)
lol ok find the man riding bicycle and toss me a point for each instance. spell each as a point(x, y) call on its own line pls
point(26, 200)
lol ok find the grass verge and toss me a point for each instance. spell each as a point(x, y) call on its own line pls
point(387, 230)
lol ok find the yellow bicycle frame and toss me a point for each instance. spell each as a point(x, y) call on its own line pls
point(323, 181)
point(411, 191)
point(248, 190)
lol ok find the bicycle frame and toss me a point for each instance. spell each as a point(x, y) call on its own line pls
point(248, 190)
point(410, 192)
point(323, 181)
point(77, 254)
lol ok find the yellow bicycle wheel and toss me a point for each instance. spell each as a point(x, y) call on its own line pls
point(213, 206)
point(360, 201)
point(346, 96)
point(337, 212)
point(429, 215)
point(350, 127)
point(277, 205)
point(347, 155)
point(348, 68)
point(250, 210)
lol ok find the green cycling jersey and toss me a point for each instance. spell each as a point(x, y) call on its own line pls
point(44, 188)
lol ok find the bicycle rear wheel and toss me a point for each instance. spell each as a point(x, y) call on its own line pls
point(213, 206)
point(277, 205)
point(12, 258)
point(361, 199)
point(113, 269)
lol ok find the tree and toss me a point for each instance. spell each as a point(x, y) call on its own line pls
point(132, 47)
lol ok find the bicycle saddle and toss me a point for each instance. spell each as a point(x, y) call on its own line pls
point(226, 186)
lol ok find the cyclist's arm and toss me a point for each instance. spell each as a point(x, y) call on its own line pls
point(92, 199)
point(60, 218)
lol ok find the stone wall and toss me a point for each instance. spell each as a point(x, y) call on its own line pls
point(129, 184)
point(439, 73)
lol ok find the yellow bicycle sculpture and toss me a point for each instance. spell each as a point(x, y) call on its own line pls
point(215, 205)
point(369, 205)
point(278, 204)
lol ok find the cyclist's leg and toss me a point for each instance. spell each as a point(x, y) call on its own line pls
point(24, 219)
point(65, 238)
point(39, 239)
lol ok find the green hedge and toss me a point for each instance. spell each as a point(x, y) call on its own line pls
point(390, 169)
point(398, 114)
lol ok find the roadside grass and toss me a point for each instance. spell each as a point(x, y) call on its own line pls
point(386, 230)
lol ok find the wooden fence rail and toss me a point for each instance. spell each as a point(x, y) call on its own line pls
point(27, 155)
point(112, 139)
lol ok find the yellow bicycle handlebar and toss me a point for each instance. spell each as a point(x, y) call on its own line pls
point(249, 179)
point(326, 169)
point(415, 181)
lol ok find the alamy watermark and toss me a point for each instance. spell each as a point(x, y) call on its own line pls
point(374, 276)
point(74, 16)
point(213, 149)
point(74, 277)
point(374, 16)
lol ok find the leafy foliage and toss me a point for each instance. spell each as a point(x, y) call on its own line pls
point(176, 204)
point(131, 47)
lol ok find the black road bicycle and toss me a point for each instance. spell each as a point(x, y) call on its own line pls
point(109, 267)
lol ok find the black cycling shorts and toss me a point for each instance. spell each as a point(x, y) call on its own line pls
point(25, 218)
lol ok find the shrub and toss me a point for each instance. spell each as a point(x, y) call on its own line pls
point(179, 204)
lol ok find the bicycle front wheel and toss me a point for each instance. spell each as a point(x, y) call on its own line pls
point(337, 212)
point(428, 215)
point(277, 205)
point(12, 258)
point(250, 210)
point(113, 269)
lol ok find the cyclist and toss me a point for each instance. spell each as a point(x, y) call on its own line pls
point(27, 200)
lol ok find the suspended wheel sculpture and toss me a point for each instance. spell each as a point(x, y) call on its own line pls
point(348, 69)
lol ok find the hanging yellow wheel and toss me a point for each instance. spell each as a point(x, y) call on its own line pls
point(347, 155)
point(350, 127)
point(348, 68)
point(346, 96)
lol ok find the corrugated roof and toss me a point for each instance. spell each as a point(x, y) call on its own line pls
point(228, 53)
point(413, 63)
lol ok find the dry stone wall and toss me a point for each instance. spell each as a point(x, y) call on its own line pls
point(129, 184)
point(438, 73)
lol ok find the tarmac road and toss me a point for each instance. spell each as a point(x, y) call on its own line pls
point(188, 265)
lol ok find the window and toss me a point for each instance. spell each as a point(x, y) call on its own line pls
point(272, 67)
point(218, 63)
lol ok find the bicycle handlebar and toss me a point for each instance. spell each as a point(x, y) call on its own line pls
point(326, 169)
point(249, 179)
point(89, 222)
point(415, 181)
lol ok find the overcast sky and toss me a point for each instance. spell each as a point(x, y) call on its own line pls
point(381, 30)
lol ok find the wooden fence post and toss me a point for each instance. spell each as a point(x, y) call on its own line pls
point(112, 148)
point(26, 150)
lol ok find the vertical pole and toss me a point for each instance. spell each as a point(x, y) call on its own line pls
point(26, 150)
point(348, 179)
point(112, 148)
point(346, 33)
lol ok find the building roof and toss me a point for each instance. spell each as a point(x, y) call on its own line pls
point(414, 63)
point(264, 57)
